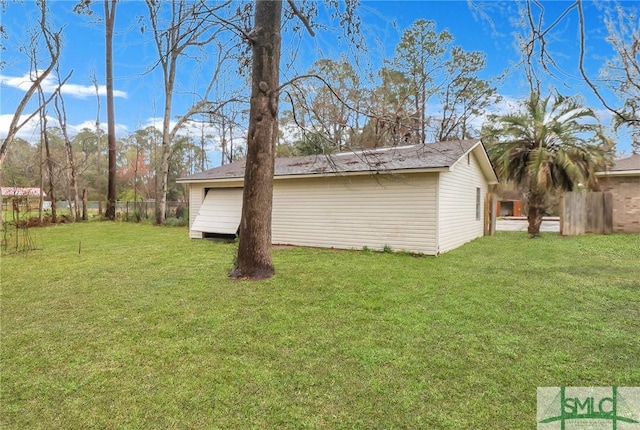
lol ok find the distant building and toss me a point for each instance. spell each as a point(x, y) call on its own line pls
point(510, 204)
point(20, 196)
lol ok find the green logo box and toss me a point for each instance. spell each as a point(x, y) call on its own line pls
point(588, 408)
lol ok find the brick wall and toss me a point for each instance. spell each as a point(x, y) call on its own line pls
point(626, 202)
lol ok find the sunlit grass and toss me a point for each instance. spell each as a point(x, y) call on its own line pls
point(132, 326)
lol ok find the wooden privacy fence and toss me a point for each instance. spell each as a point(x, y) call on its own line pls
point(490, 214)
point(586, 212)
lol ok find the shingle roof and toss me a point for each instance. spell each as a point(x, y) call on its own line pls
point(21, 192)
point(429, 156)
point(629, 163)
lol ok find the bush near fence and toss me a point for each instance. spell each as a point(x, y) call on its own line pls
point(143, 210)
point(125, 210)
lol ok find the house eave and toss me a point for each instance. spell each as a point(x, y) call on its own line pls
point(324, 175)
point(619, 173)
point(484, 161)
point(200, 180)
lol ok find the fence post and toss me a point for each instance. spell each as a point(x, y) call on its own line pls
point(487, 214)
point(494, 214)
point(607, 217)
point(562, 215)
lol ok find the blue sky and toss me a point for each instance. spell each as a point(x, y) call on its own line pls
point(139, 94)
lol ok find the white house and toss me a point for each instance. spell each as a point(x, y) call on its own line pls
point(425, 199)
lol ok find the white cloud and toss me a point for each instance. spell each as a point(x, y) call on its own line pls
point(91, 125)
point(73, 129)
point(31, 131)
point(49, 85)
point(194, 130)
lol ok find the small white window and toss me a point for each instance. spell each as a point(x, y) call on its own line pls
point(478, 199)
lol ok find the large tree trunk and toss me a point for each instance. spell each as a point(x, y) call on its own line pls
point(73, 176)
point(84, 204)
point(110, 16)
point(1, 199)
point(537, 203)
point(73, 181)
point(50, 173)
point(161, 196)
point(254, 252)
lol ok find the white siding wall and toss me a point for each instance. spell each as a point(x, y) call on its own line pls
point(457, 204)
point(355, 211)
point(196, 196)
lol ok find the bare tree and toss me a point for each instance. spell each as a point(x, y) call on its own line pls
point(53, 43)
point(192, 24)
point(49, 157)
point(61, 112)
point(226, 120)
point(620, 75)
point(326, 107)
point(98, 145)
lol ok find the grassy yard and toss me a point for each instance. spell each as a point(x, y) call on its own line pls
point(142, 329)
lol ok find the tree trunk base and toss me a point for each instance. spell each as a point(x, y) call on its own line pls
point(537, 208)
point(534, 226)
point(110, 213)
point(255, 274)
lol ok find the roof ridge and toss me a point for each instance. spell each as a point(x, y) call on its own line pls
point(430, 156)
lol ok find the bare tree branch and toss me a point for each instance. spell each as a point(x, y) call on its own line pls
point(301, 16)
point(594, 88)
point(53, 42)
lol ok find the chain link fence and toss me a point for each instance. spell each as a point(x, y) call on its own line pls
point(126, 210)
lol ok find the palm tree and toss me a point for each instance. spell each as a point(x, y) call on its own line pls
point(553, 144)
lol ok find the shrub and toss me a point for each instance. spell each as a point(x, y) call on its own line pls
point(176, 222)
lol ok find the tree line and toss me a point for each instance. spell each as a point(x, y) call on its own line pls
point(138, 165)
point(429, 91)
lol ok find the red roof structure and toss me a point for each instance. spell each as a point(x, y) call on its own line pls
point(21, 192)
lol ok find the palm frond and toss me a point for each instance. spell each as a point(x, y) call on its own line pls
point(554, 143)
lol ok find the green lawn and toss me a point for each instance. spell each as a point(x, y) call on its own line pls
point(143, 329)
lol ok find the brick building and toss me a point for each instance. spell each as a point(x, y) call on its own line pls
point(622, 180)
